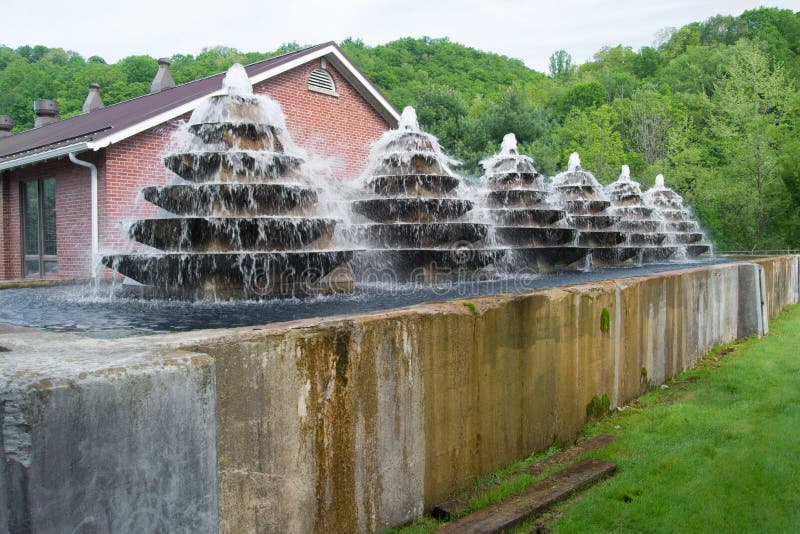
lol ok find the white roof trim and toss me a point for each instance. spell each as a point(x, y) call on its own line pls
point(270, 73)
point(42, 156)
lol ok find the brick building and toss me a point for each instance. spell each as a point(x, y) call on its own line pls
point(67, 186)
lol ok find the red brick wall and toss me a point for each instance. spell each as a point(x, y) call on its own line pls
point(73, 217)
point(131, 165)
point(340, 129)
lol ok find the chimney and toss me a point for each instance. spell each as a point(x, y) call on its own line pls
point(6, 125)
point(45, 111)
point(93, 100)
point(163, 79)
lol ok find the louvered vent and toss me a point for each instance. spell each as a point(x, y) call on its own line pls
point(320, 81)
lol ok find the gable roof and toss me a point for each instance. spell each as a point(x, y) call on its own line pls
point(111, 124)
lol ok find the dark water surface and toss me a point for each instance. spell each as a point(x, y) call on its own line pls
point(98, 312)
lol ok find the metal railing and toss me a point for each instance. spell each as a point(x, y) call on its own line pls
point(754, 252)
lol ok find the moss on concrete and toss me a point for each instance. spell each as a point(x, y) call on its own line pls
point(605, 321)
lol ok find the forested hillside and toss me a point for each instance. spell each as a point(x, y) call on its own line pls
point(714, 106)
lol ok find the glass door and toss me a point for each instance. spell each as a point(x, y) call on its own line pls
point(39, 228)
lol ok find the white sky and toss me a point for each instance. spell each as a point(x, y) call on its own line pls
point(530, 30)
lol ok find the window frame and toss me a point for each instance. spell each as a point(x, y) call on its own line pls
point(41, 258)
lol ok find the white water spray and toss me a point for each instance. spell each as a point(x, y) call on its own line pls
point(509, 144)
point(574, 163)
point(408, 120)
point(236, 81)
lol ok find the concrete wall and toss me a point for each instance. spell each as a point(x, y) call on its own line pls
point(363, 422)
point(782, 282)
point(94, 441)
point(343, 424)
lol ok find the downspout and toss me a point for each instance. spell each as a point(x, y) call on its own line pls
point(95, 226)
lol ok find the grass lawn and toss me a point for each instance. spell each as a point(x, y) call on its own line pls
point(718, 451)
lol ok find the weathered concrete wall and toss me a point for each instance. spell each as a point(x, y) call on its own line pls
point(782, 281)
point(319, 428)
point(99, 442)
point(344, 424)
point(363, 422)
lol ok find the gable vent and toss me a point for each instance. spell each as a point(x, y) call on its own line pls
point(320, 81)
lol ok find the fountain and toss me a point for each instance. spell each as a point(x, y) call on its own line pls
point(580, 194)
point(517, 202)
point(681, 230)
point(644, 242)
point(411, 215)
point(241, 217)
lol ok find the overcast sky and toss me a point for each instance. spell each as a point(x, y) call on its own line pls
point(530, 30)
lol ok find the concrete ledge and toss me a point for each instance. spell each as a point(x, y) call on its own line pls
point(37, 282)
point(104, 440)
point(363, 422)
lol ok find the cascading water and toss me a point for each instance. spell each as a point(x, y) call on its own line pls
point(412, 215)
point(644, 242)
point(517, 202)
point(242, 219)
point(682, 232)
point(580, 194)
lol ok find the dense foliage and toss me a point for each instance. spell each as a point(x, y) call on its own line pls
point(714, 106)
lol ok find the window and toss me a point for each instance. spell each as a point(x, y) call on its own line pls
point(38, 198)
point(320, 81)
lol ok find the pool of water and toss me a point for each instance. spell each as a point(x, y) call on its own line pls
point(100, 312)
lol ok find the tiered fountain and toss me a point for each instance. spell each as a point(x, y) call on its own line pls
point(417, 229)
point(580, 194)
point(517, 202)
point(643, 240)
point(242, 223)
point(682, 232)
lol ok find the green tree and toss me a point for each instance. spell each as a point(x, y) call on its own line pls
point(582, 96)
point(593, 135)
point(561, 64)
point(751, 105)
point(646, 119)
point(443, 112)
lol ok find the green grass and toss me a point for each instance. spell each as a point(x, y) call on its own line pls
point(507, 481)
point(424, 525)
point(471, 307)
point(719, 451)
point(488, 490)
